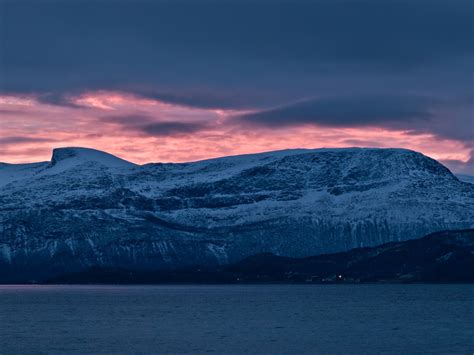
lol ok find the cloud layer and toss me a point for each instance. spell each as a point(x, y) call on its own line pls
point(349, 111)
point(150, 126)
point(144, 130)
point(235, 53)
point(183, 80)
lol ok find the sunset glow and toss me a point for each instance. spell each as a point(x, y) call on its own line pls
point(31, 129)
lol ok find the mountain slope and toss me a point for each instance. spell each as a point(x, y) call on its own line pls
point(87, 208)
point(440, 257)
point(466, 178)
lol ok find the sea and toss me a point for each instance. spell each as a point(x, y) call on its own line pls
point(237, 319)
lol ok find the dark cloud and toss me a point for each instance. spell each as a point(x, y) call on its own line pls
point(128, 120)
point(150, 126)
point(209, 99)
point(11, 140)
point(444, 118)
point(58, 99)
point(344, 112)
point(371, 62)
point(236, 53)
point(172, 128)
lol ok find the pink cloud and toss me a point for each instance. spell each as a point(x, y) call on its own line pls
point(145, 130)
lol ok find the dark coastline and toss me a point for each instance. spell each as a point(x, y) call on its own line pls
point(444, 257)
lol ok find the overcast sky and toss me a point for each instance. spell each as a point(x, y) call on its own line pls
point(185, 80)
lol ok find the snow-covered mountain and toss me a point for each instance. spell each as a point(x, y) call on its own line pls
point(466, 178)
point(88, 208)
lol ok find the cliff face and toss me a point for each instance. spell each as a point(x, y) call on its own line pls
point(88, 208)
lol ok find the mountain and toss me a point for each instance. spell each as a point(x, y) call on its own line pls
point(87, 208)
point(465, 178)
point(440, 257)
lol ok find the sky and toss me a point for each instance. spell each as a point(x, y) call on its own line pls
point(184, 80)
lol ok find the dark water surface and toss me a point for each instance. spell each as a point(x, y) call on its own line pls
point(264, 319)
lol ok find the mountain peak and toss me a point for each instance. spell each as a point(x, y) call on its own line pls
point(81, 155)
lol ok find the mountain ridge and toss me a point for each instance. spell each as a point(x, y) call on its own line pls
point(70, 151)
point(218, 211)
